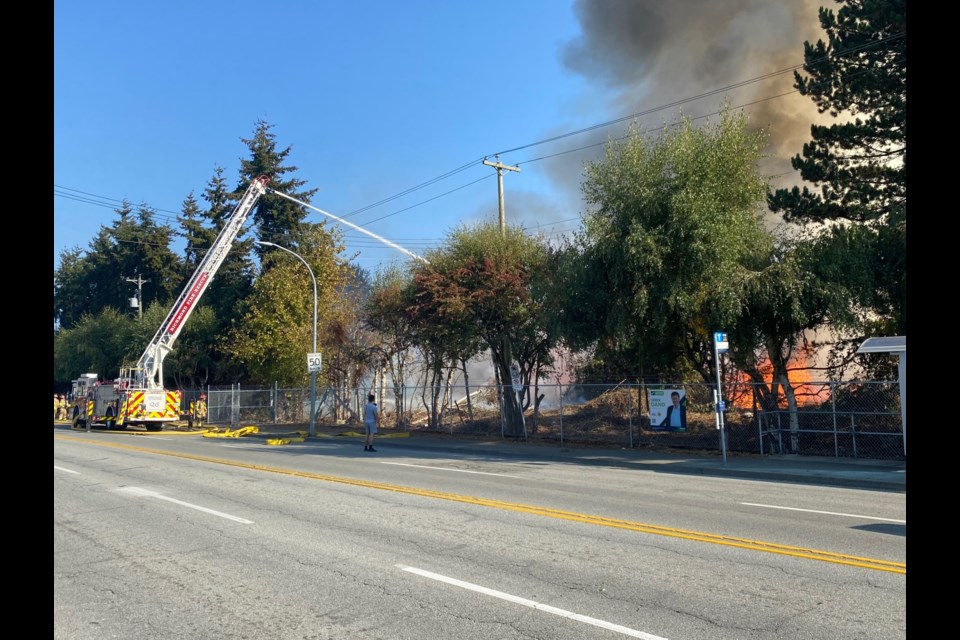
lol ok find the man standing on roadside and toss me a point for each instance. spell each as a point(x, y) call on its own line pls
point(371, 419)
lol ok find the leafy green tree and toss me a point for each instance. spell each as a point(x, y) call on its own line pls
point(477, 293)
point(277, 219)
point(194, 359)
point(858, 164)
point(441, 333)
point(674, 231)
point(386, 314)
point(98, 344)
point(809, 285)
point(351, 353)
point(104, 342)
point(846, 259)
point(276, 331)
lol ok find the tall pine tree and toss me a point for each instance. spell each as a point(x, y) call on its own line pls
point(277, 219)
point(134, 246)
point(198, 237)
point(859, 163)
point(233, 281)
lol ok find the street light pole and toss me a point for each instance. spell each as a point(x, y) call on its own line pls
point(313, 374)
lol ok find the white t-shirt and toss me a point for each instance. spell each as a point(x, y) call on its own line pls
point(675, 417)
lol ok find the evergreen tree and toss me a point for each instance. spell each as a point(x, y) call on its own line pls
point(231, 285)
point(277, 219)
point(859, 163)
point(198, 237)
point(133, 246)
point(151, 255)
point(71, 284)
point(234, 281)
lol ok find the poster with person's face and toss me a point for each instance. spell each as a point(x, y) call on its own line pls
point(668, 409)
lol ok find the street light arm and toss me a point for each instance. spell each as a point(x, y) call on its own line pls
point(313, 374)
point(353, 226)
point(310, 271)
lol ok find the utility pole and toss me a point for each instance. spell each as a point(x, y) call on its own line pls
point(500, 167)
point(506, 347)
point(139, 282)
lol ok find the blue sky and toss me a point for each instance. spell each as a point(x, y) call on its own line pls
point(376, 98)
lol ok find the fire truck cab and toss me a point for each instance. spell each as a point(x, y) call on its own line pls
point(94, 403)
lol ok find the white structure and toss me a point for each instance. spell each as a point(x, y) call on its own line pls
point(897, 345)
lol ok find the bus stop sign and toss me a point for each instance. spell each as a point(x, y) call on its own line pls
point(720, 340)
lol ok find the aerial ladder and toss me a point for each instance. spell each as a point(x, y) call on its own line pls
point(138, 396)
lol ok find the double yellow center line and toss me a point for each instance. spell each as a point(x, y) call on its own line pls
point(697, 536)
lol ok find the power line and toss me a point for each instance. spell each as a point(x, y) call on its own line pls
point(125, 201)
point(135, 209)
point(98, 200)
point(675, 103)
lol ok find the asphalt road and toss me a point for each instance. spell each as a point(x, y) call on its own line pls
point(170, 536)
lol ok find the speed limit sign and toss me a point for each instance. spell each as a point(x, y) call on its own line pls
point(515, 378)
point(314, 362)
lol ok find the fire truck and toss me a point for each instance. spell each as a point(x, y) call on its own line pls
point(137, 397)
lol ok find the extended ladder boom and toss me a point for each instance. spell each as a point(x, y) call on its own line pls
point(150, 365)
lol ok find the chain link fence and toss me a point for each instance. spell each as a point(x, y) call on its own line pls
point(840, 419)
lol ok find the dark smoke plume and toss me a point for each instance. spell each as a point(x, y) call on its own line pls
point(649, 53)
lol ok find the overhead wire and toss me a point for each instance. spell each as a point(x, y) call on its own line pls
point(176, 215)
point(623, 137)
point(636, 115)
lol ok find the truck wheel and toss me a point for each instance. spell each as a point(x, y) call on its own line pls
point(154, 426)
point(77, 422)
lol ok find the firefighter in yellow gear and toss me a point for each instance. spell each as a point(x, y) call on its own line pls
point(61, 407)
point(200, 410)
point(56, 407)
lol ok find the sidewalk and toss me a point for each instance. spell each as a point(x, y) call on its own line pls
point(880, 475)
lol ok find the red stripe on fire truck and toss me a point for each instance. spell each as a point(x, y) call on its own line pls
point(192, 297)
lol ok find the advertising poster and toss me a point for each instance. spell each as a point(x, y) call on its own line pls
point(668, 409)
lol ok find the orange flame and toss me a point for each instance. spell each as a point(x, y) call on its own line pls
point(806, 392)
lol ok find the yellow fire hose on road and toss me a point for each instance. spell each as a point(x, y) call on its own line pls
point(236, 433)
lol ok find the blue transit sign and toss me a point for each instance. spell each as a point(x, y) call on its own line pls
point(720, 339)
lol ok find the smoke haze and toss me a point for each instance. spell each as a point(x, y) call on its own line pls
point(646, 54)
point(639, 57)
point(653, 53)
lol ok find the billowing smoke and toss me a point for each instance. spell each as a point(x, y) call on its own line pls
point(647, 54)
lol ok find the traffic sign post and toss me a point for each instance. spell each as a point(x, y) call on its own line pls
point(515, 378)
point(720, 345)
point(720, 342)
point(517, 382)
